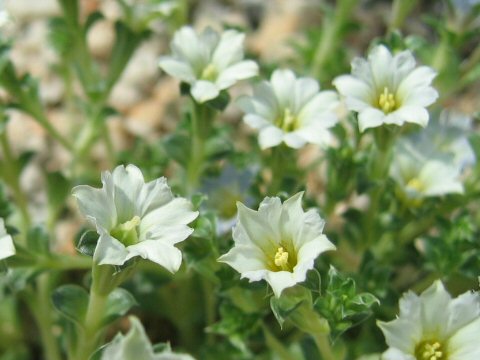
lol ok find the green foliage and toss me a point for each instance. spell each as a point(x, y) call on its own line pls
point(341, 305)
point(72, 302)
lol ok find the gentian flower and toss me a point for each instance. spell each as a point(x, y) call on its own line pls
point(433, 326)
point(134, 218)
point(278, 243)
point(291, 110)
point(209, 62)
point(388, 89)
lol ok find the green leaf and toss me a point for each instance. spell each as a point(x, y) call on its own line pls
point(58, 188)
point(72, 302)
point(87, 243)
point(119, 302)
point(38, 241)
point(177, 147)
point(220, 102)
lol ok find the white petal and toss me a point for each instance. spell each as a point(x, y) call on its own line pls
point(177, 68)
point(423, 97)
point(186, 45)
point(245, 258)
point(169, 234)
point(176, 212)
point(128, 183)
point(154, 194)
point(402, 334)
point(464, 345)
point(109, 250)
point(440, 179)
point(204, 90)
point(434, 299)
point(369, 118)
point(229, 49)
point(413, 114)
point(395, 354)
point(403, 63)
point(283, 82)
point(381, 61)
point(280, 280)
point(421, 77)
point(7, 248)
point(259, 232)
point(294, 140)
point(463, 310)
point(320, 107)
point(359, 95)
point(256, 121)
point(239, 71)
point(97, 205)
point(303, 91)
point(159, 252)
point(270, 136)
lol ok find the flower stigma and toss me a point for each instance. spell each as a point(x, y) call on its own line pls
point(210, 73)
point(386, 101)
point(127, 233)
point(429, 350)
point(281, 259)
point(288, 122)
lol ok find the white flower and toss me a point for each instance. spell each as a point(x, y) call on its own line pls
point(388, 89)
point(433, 326)
point(135, 345)
point(209, 62)
point(419, 175)
point(449, 135)
point(291, 110)
point(278, 243)
point(7, 248)
point(134, 218)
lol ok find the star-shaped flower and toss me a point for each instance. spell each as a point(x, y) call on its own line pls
point(134, 218)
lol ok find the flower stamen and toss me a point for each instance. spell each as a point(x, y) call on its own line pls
point(126, 232)
point(281, 259)
point(416, 184)
point(210, 73)
point(287, 122)
point(386, 101)
point(430, 350)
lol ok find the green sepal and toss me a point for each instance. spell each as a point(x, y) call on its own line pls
point(87, 242)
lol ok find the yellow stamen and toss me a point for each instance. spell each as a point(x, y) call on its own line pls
point(281, 259)
point(287, 122)
point(416, 184)
point(209, 73)
point(386, 101)
point(430, 350)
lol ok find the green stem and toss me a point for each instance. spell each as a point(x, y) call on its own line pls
point(11, 175)
point(329, 39)
point(41, 310)
point(210, 306)
point(91, 333)
point(400, 11)
point(273, 343)
point(65, 263)
point(323, 346)
point(200, 129)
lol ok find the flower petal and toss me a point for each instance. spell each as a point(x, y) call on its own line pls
point(127, 183)
point(177, 68)
point(239, 71)
point(204, 90)
point(369, 118)
point(270, 136)
point(7, 248)
point(464, 344)
point(158, 252)
point(109, 251)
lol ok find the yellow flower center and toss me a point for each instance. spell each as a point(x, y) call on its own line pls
point(386, 101)
point(430, 350)
point(127, 233)
point(288, 122)
point(281, 259)
point(210, 73)
point(416, 184)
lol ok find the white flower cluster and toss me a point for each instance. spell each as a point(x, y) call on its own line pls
point(433, 326)
point(134, 218)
